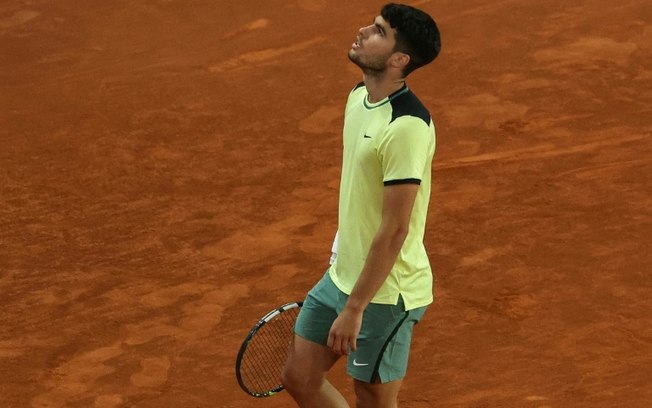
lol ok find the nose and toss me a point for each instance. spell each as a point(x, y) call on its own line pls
point(364, 31)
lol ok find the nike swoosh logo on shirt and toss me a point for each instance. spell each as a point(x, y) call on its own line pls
point(355, 363)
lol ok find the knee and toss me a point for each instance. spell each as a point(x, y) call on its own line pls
point(373, 397)
point(373, 401)
point(295, 381)
point(289, 379)
point(365, 399)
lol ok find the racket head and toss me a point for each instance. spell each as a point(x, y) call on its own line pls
point(263, 352)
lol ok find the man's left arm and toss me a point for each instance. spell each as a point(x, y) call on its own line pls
point(398, 200)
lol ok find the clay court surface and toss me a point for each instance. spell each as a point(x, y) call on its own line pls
point(169, 173)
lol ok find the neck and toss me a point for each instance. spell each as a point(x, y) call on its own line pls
point(380, 87)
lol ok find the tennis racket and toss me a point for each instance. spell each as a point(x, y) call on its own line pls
point(262, 355)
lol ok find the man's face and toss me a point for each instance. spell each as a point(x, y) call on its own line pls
point(373, 46)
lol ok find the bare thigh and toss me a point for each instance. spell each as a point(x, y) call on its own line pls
point(308, 362)
point(377, 395)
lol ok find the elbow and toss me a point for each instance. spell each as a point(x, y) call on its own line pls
point(398, 236)
point(391, 236)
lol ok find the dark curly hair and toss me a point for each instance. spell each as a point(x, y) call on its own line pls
point(416, 34)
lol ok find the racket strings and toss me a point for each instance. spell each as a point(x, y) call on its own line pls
point(267, 360)
point(265, 355)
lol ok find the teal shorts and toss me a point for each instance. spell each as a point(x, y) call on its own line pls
point(383, 345)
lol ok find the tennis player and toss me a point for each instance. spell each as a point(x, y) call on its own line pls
point(380, 282)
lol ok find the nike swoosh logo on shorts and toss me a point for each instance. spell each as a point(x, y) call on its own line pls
point(355, 363)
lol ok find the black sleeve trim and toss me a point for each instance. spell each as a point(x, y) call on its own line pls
point(402, 181)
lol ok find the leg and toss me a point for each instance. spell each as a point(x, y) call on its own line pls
point(309, 359)
point(380, 362)
point(377, 395)
point(304, 376)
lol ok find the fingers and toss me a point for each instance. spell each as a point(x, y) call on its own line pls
point(343, 333)
point(340, 344)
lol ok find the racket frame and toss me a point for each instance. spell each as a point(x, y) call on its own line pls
point(264, 320)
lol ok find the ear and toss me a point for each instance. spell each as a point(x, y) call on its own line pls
point(400, 60)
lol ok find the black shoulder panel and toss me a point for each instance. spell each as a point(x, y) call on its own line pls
point(359, 85)
point(408, 104)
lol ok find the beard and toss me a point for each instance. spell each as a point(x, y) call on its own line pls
point(370, 66)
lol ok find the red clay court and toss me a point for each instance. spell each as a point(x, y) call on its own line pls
point(169, 173)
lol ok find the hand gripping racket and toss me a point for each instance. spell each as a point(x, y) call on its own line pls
point(262, 355)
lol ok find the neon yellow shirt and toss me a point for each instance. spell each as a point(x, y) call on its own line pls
point(385, 143)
